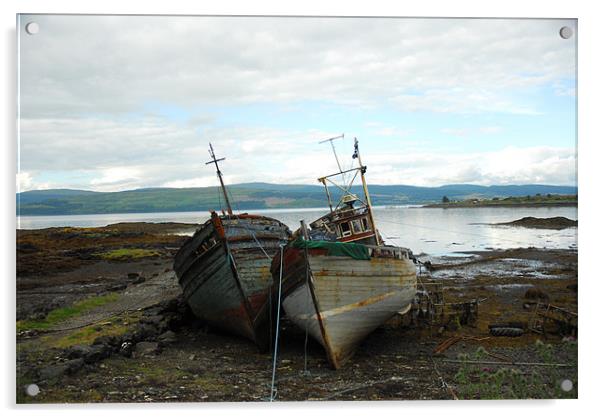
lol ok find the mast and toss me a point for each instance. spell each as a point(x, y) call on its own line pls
point(219, 174)
point(356, 154)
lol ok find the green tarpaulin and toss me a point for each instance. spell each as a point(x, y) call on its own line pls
point(341, 249)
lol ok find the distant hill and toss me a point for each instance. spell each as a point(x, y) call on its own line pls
point(252, 196)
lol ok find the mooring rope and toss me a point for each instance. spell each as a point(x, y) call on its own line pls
point(273, 392)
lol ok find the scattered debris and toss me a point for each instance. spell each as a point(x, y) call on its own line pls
point(453, 340)
point(508, 329)
point(506, 332)
point(563, 321)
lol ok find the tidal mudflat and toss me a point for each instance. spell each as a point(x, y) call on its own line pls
point(100, 320)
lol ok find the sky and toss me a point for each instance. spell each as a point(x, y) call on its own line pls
point(111, 103)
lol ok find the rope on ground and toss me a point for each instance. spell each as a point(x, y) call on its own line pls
point(443, 382)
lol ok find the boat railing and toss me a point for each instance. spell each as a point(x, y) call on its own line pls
point(388, 252)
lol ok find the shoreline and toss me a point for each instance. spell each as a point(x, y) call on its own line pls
point(493, 205)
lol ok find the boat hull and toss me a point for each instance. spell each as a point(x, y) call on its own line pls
point(224, 272)
point(340, 300)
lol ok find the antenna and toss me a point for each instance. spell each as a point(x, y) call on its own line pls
point(334, 150)
point(219, 174)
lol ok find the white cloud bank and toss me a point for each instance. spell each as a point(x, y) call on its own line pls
point(90, 88)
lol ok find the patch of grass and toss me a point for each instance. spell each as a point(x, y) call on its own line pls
point(127, 254)
point(479, 382)
point(61, 314)
point(87, 335)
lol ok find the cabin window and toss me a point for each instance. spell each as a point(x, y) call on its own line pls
point(345, 229)
point(357, 226)
point(365, 224)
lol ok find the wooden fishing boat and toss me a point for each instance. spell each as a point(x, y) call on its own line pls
point(224, 269)
point(339, 280)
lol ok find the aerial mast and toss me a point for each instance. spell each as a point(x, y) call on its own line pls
point(356, 154)
point(219, 175)
point(336, 157)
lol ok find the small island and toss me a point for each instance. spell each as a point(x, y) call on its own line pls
point(557, 222)
point(524, 201)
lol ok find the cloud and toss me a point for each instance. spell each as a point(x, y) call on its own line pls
point(466, 100)
point(466, 131)
point(509, 165)
point(116, 102)
point(111, 64)
point(24, 181)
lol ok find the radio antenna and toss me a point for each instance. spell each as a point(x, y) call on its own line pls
point(334, 151)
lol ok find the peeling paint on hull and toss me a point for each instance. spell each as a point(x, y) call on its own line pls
point(342, 300)
point(223, 270)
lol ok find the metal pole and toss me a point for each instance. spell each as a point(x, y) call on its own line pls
point(219, 175)
point(304, 230)
point(327, 193)
point(369, 203)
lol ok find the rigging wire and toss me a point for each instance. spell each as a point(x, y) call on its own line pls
point(307, 308)
point(245, 226)
point(272, 392)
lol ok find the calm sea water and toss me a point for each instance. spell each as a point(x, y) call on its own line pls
point(430, 231)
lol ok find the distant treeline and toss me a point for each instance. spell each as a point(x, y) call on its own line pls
point(256, 196)
point(528, 200)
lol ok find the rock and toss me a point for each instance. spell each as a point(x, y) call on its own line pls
point(147, 331)
point(97, 352)
point(152, 320)
point(168, 337)
point(38, 316)
point(28, 333)
point(117, 287)
point(535, 293)
point(139, 280)
point(109, 340)
point(170, 305)
point(53, 372)
point(74, 365)
point(133, 276)
point(77, 351)
point(147, 348)
point(58, 370)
